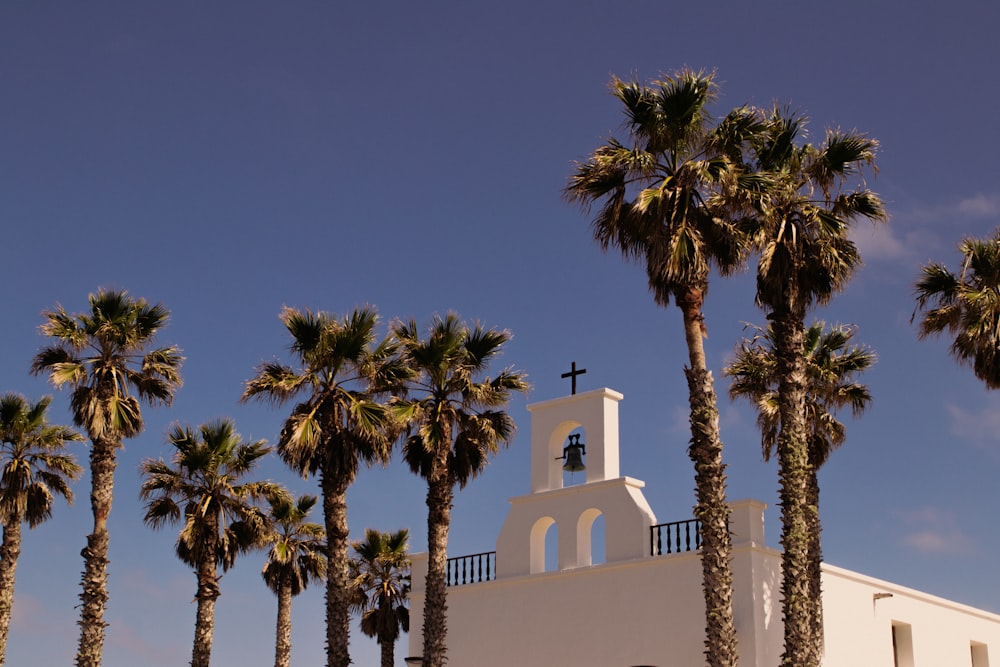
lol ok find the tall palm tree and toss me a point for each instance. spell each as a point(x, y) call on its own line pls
point(296, 558)
point(667, 199)
point(967, 306)
point(456, 423)
point(104, 355)
point(339, 424)
point(204, 490)
point(35, 469)
point(380, 580)
point(800, 230)
point(832, 363)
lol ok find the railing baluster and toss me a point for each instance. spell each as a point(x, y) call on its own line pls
point(471, 569)
point(678, 537)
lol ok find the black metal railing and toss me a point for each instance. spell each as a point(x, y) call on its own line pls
point(471, 569)
point(675, 537)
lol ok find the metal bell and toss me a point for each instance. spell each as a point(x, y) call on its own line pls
point(573, 455)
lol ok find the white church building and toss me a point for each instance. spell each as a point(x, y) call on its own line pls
point(643, 606)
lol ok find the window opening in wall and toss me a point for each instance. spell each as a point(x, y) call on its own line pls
point(575, 458)
point(584, 537)
point(980, 654)
point(543, 545)
point(902, 644)
point(552, 548)
point(598, 542)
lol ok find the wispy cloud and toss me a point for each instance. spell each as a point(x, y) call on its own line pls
point(155, 588)
point(981, 426)
point(125, 639)
point(914, 234)
point(932, 530)
point(680, 419)
point(886, 243)
point(980, 206)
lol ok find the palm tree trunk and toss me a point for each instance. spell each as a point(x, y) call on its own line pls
point(388, 645)
point(710, 482)
point(815, 561)
point(794, 470)
point(283, 633)
point(94, 596)
point(338, 618)
point(208, 593)
point(10, 551)
point(440, 491)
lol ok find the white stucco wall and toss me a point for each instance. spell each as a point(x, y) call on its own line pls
point(859, 612)
point(609, 615)
point(650, 611)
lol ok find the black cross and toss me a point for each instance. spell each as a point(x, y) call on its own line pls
point(572, 375)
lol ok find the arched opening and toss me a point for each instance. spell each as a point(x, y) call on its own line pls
point(544, 544)
point(584, 543)
point(552, 548)
point(598, 541)
point(569, 477)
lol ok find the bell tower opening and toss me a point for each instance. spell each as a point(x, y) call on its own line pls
point(574, 458)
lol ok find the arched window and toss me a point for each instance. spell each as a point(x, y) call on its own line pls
point(544, 544)
point(584, 544)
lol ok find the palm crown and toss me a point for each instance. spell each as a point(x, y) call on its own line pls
point(342, 372)
point(664, 194)
point(102, 355)
point(204, 485)
point(296, 556)
point(452, 413)
point(831, 364)
point(802, 216)
point(967, 306)
point(35, 469)
point(380, 581)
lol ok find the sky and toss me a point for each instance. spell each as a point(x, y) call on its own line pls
point(227, 159)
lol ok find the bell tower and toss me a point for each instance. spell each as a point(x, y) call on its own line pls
point(573, 509)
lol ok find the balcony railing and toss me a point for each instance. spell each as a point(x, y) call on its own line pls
point(471, 569)
point(675, 537)
point(665, 538)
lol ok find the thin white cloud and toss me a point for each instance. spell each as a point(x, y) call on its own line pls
point(880, 243)
point(914, 234)
point(931, 530)
point(680, 419)
point(31, 617)
point(980, 206)
point(981, 427)
point(123, 638)
point(155, 588)
point(730, 418)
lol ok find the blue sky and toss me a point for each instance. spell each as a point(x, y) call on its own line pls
point(228, 158)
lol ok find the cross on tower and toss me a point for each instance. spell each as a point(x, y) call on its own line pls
point(572, 375)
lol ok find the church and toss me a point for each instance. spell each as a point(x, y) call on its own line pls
point(643, 605)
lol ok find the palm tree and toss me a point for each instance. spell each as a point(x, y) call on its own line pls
point(104, 356)
point(967, 306)
point(35, 468)
point(831, 365)
point(296, 558)
point(666, 199)
point(800, 230)
point(339, 425)
point(220, 520)
point(456, 422)
point(380, 580)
